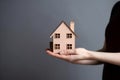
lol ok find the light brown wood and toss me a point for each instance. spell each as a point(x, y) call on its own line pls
point(63, 37)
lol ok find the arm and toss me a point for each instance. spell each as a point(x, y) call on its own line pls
point(100, 56)
point(95, 62)
point(69, 58)
point(73, 58)
point(112, 58)
point(104, 57)
point(76, 60)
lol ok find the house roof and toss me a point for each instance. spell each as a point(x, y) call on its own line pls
point(66, 26)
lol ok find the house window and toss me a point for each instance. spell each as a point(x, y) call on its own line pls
point(69, 46)
point(69, 35)
point(57, 46)
point(57, 35)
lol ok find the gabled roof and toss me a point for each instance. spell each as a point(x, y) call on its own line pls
point(66, 26)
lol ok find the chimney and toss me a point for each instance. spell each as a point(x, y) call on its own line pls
point(72, 25)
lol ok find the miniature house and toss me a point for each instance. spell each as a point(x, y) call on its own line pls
point(63, 37)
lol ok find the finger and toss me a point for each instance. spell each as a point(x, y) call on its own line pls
point(75, 58)
point(68, 52)
point(61, 52)
point(64, 57)
point(64, 52)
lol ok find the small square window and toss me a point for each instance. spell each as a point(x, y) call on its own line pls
point(57, 35)
point(69, 35)
point(57, 46)
point(69, 46)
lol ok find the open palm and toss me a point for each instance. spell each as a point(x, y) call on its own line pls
point(78, 55)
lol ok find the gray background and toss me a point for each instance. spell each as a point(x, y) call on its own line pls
point(25, 27)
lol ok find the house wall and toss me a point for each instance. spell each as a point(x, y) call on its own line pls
point(25, 27)
point(63, 41)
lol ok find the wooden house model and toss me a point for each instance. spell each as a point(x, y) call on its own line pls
point(63, 37)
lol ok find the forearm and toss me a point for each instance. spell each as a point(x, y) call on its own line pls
point(112, 58)
point(83, 57)
point(88, 62)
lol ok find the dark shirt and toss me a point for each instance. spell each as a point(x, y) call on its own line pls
point(112, 37)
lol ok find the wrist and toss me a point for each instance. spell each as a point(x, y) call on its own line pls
point(92, 55)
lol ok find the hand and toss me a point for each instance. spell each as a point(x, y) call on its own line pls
point(77, 56)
